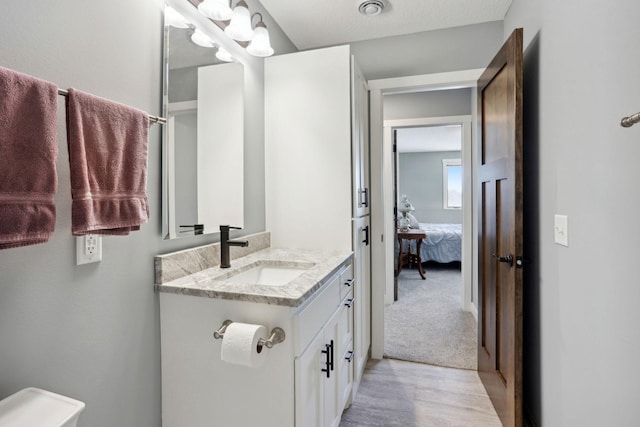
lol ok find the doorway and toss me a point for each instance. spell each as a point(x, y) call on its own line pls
point(382, 188)
point(427, 316)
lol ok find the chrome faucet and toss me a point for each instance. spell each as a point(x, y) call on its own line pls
point(225, 243)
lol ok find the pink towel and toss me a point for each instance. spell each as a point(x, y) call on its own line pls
point(28, 151)
point(107, 144)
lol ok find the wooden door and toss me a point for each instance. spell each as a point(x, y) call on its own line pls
point(500, 231)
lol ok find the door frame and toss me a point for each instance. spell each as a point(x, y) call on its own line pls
point(467, 208)
point(382, 268)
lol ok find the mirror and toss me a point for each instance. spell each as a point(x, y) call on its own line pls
point(203, 141)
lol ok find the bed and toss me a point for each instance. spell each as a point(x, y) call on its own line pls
point(443, 243)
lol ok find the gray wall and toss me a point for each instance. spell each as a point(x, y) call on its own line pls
point(450, 49)
point(420, 178)
point(581, 302)
point(437, 103)
point(92, 331)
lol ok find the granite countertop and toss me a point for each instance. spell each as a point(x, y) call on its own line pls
point(213, 282)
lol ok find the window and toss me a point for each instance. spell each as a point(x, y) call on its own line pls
point(452, 183)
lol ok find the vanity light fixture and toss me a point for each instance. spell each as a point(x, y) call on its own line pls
point(201, 39)
point(260, 44)
point(174, 19)
point(218, 10)
point(239, 28)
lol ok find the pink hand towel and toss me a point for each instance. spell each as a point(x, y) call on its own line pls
point(107, 144)
point(28, 151)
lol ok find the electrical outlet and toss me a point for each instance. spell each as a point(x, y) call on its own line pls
point(88, 249)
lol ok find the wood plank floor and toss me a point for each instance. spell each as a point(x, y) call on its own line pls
point(404, 394)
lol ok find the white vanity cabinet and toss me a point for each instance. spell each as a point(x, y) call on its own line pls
point(324, 367)
point(304, 381)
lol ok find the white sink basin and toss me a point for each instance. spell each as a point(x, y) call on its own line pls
point(269, 274)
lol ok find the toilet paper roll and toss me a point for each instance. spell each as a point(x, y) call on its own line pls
point(240, 344)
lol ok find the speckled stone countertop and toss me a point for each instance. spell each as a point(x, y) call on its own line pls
point(213, 282)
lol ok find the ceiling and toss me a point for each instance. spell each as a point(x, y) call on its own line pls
point(312, 24)
point(429, 138)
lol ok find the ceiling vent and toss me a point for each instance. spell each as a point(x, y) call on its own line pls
point(370, 7)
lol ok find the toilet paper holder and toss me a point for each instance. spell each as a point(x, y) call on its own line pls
point(277, 335)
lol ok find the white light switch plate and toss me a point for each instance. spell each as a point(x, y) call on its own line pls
point(561, 230)
point(88, 249)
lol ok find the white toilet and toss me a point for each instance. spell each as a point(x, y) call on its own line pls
point(32, 407)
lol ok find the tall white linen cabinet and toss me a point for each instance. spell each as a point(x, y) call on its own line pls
point(317, 176)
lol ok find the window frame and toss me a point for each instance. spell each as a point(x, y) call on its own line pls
point(445, 183)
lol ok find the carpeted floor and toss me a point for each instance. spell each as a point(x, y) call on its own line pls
point(427, 323)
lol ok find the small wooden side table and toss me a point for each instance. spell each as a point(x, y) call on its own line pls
point(408, 257)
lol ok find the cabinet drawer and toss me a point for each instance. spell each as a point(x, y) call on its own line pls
point(312, 318)
point(346, 281)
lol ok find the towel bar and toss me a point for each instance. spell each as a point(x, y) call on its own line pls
point(152, 119)
point(630, 121)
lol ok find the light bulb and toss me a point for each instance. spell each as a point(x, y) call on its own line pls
point(260, 44)
point(218, 10)
point(240, 26)
point(201, 39)
point(223, 55)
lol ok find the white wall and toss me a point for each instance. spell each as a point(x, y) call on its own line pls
point(581, 302)
point(92, 332)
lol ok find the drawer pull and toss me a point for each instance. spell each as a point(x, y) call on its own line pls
point(349, 358)
point(327, 360)
point(348, 282)
point(328, 363)
point(349, 303)
point(366, 233)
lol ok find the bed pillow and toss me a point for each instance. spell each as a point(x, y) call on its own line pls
point(413, 221)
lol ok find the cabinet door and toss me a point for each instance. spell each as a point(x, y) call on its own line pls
point(332, 411)
point(360, 140)
point(362, 295)
point(308, 149)
point(309, 379)
point(316, 379)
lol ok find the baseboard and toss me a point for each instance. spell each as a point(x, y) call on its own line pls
point(474, 311)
